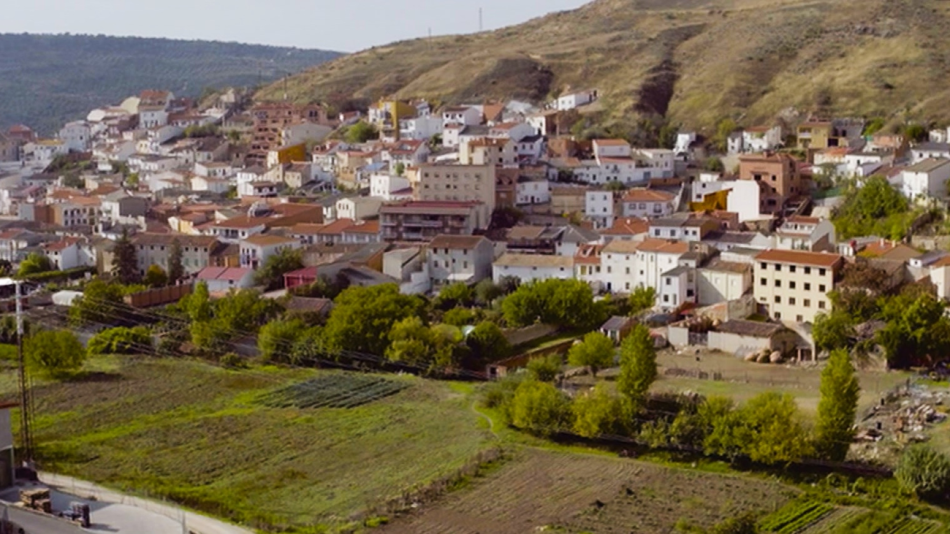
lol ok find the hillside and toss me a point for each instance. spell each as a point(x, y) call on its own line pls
point(48, 79)
point(692, 61)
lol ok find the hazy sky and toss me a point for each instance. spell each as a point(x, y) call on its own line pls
point(344, 25)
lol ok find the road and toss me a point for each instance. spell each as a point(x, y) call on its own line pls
point(196, 522)
point(36, 524)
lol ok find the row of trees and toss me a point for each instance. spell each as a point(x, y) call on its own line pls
point(125, 267)
point(768, 429)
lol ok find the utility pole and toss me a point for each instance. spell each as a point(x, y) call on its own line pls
point(26, 437)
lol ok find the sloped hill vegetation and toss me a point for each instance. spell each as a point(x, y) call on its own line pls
point(689, 62)
point(46, 80)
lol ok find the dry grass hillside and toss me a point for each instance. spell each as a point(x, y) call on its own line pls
point(693, 61)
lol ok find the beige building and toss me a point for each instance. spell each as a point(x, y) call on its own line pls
point(155, 249)
point(458, 258)
point(794, 285)
point(722, 281)
point(456, 183)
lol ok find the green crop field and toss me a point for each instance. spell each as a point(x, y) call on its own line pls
point(201, 436)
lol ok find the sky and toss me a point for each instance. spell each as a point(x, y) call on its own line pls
point(342, 25)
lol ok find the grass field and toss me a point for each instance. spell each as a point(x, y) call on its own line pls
point(583, 493)
point(205, 437)
point(743, 380)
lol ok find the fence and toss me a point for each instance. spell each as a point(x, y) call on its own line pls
point(158, 296)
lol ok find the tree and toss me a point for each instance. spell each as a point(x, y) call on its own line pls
point(487, 291)
point(459, 317)
point(595, 352)
point(545, 368)
point(540, 408)
point(915, 133)
point(124, 263)
point(832, 331)
point(719, 417)
point(176, 267)
point(875, 208)
point(400, 169)
point(416, 344)
point(120, 340)
point(598, 412)
point(155, 276)
point(34, 263)
point(873, 126)
point(834, 430)
point(723, 131)
point(364, 316)
point(924, 472)
point(642, 299)
point(564, 303)
point(310, 346)
point(198, 304)
point(771, 429)
point(666, 137)
point(454, 295)
point(916, 331)
point(54, 352)
point(271, 274)
point(277, 339)
point(488, 343)
point(100, 304)
point(615, 186)
point(714, 165)
point(637, 365)
point(361, 132)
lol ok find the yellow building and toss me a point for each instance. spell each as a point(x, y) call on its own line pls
point(287, 154)
point(386, 114)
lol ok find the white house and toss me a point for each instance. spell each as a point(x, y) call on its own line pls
point(76, 135)
point(246, 177)
point(648, 203)
point(302, 132)
point(930, 151)
point(928, 178)
point(754, 140)
point(515, 131)
point(627, 265)
point(463, 115)
point(388, 187)
point(210, 183)
point(530, 191)
point(420, 128)
point(600, 207)
point(458, 258)
point(256, 249)
point(358, 208)
point(223, 279)
point(678, 285)
point(722, 281)
point(531, 267)
point(64, 254)
point(806, 233)
point(614, 161)
point(575, 100)
point(214, 169)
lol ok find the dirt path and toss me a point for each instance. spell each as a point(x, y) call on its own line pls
point(491, 423)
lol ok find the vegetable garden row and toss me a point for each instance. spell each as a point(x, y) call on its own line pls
point(811, 517)
point(343, 390)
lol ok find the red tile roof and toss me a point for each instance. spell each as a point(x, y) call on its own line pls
point(647, 195)
point(817, 259)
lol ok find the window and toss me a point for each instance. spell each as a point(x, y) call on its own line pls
point(791, 301)
point(763, 266)
point(778, 299)
point(821, 288)
point(807, 303)
point(778, 316)
point(821, 304)
point(791, 268)
point(778, 283)
point(669, 281)
point(799, 319)
point(608, 269)
point(628, 270)
point(807, 270)
point(821, 272)
point(656, 232)
point(791, 285)
point(807, 286)
point(778, 267)
point(763, 282)
point(666, 298)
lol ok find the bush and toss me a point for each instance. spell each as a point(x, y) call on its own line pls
point(540, 408)
point(233, 361)
point(924, 472)
point(459, 317)
point(545, 368)
point(54, 352)
point(120, 340)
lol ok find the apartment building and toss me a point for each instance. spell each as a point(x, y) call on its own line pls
point(794, 285)
point(456, 258)
point(456, 183)
point(424, 220)
point(270, 120)
point(155, 249)
point(778, 177)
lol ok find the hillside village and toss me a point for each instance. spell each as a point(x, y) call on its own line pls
point(403, 193)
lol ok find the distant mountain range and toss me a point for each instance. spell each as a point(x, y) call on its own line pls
point(46, 80)
point(690, 62)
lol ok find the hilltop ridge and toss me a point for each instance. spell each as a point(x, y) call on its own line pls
point(693, 62)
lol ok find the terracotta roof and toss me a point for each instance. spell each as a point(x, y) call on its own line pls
point(728, 266)
point(415, 207)
point(889, 250)
point(525, 232)
point(588, 254)
point(306, 229)
point(146, 239)
point(223, 273)
point(647, 195)
point(335, 227)
point(242, 221)
point(62, 244)
point(457, 242)
point(800, 219)
point(620, 246)
point(265, 240)
point(611, 142)
point(942, 262)
point(365, 227)
point(663, 246)
point(817, 259)
point(535, 260)
point(628, 226)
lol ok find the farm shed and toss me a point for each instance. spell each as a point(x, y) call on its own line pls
point(741, 337)
point(617, 328)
